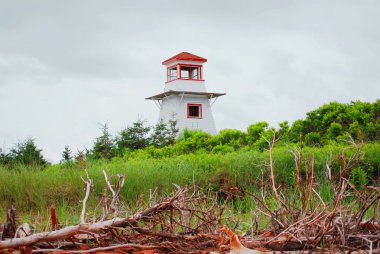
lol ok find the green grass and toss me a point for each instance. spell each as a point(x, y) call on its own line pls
point(33, 191)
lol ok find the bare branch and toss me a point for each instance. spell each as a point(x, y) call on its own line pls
point(88, 183)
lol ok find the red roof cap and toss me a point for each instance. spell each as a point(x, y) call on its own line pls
point(185, 56)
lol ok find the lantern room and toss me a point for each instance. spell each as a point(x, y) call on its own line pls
point(182, 70)
point(184, 66)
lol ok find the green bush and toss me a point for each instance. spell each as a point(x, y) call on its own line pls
point(334, 131)
point(254, 131)
point(232, 138)
point(223, 149)
point(312, 139)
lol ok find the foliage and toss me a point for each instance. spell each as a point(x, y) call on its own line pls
point(190, 141)
point(329, 124)
point(5, 158)
point(159, 137)
point(254, 131)
point(332, 123)
point(312, 139)
point(296, 131)
point(103, 145)
point(147, 170)
point(232, 138)
point(334, 131)
point(164, 134)
point(134, 137)
point(66, 156)
point(25, 152)
point(284, 130)
point(223, 149)
point(80, 159)
point(173, 130)
point(155, 157)
point(359, 178)
point(359, 119)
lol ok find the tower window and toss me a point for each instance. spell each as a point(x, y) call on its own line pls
point(194, 110)
point(185, 71)
point(172, 73)
point(190, 72)
point(194, 73)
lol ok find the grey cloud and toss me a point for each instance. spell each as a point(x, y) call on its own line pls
point(67, 66)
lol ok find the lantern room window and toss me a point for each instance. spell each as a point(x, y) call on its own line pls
point(172, 73)
point(188, 72)
point(194, 110)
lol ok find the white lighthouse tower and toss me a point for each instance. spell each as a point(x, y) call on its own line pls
point(185, 96)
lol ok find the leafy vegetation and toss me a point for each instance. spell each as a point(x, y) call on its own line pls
point(153, 159)
point(30, 189)
point(67, 155)
point(25, 153)
point(333, 123)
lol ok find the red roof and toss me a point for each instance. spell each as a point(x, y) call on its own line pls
point(185, 56)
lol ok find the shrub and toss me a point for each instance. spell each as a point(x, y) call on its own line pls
point(334, 130)
point(222, 149)
point(312, 139)
point(190, 141)
point(232, 138)
point(254, 131)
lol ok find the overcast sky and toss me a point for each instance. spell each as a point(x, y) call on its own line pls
point(67, 67)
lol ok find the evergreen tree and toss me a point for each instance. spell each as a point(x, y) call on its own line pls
point(27, 153)
point(104, 145)
point(133, 137)
point(173, 130)
point(66, 155)
point(160, 136)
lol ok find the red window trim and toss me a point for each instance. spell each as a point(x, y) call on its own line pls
point(200, 110)
point(184, 79)
point(179, 72)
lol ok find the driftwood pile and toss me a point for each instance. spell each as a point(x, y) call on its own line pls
point(338, 228)
point(191, 221)
point(187, 223)
point(303, 221)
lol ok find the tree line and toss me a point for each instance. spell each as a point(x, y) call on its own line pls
point(333, 123)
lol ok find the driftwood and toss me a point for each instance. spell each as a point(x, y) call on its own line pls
point(313, 225)
point(10, 228)
point(139, 232)
point(70, 231)
point(124, 247)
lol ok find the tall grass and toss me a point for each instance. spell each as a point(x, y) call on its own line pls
point(30, 190)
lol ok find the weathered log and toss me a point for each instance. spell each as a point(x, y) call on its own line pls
point(127, 246)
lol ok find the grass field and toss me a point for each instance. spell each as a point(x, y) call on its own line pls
point(33, 191)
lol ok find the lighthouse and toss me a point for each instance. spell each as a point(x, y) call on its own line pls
point(185, 97)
